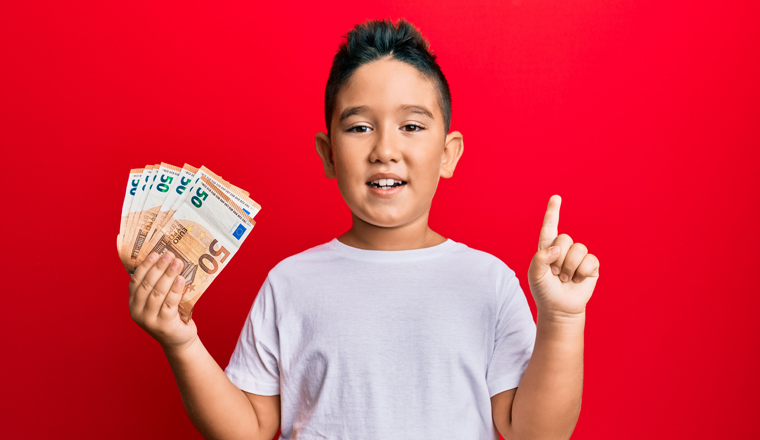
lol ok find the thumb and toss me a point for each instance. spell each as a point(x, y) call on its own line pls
point(541, 262)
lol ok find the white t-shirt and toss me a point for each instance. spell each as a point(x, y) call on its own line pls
point(385, 345)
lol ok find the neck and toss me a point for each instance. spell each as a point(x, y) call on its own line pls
point(414, 235)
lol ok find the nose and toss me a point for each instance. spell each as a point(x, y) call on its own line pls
point(386, 148)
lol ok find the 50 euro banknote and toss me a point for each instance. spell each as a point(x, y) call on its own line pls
point(186, 177)
point(177, 198)
point(132, 184)
point(205, 230)
point(164, 178)
point(135, 207)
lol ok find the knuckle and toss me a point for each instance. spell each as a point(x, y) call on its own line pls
point(156, 293)
point(596, 262)
point(565, 237)
point(581, 247)
point(146, 285)
point(589, 265)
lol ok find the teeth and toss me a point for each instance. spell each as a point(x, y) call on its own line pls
point(386, 183)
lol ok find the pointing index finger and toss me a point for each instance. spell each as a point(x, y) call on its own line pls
point(551, 220)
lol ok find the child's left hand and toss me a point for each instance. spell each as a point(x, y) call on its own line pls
point(561, 282)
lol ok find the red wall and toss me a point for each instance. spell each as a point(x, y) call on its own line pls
point(642, 115)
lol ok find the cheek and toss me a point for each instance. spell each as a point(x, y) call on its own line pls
point(427, 170)
point(347, 174)
point(346, 168)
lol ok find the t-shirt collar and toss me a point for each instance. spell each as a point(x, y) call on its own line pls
point(391, 256)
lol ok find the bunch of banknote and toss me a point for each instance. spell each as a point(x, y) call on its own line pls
point(192, 212)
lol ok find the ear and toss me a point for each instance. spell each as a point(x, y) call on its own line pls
point(453, 148)
point(324, 149)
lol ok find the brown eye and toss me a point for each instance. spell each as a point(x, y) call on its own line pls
point(360, 128)
point(413, 130)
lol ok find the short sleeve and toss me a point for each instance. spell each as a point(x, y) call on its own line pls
point(254, 365)
point(515, 337)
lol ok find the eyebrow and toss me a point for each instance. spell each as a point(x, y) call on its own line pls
point(347, 113)
point(351, 111)
point(418, 109)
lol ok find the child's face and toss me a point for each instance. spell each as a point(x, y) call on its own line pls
point(387, 125)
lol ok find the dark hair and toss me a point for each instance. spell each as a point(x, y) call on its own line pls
point(375, 39)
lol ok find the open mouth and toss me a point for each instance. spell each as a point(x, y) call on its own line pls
point(385, 183)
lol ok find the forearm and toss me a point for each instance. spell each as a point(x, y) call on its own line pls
point(547, 403)
point(217, 408)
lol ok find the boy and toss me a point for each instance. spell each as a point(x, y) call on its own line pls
point(391, 330)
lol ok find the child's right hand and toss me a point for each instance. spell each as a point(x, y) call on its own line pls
point(154, 294)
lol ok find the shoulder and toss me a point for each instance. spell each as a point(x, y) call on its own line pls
point(499, 276)
point(480, 261)
point(302, 263)
point(485, 270)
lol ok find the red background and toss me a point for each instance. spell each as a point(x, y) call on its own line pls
point(642, 115)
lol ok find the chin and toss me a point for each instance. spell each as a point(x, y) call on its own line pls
point(385, 220)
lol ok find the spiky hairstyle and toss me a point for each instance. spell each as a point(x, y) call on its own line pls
point(375, 39)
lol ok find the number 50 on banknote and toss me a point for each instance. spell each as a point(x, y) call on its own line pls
point(192, 212)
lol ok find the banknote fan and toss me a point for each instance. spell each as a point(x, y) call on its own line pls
point(192, 212)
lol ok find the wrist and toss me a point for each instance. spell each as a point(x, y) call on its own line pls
point(561, 318)
point(181, 350)
point(561, 330)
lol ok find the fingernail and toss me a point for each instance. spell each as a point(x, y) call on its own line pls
point(576, 279)
point(175, 263)
point(153, 257)
point(563, 277)
point(553, 250)
point(168, 256)
point(555, 270)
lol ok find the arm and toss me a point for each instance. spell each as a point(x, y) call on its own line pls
point(562, 277)
point(218, 408)
point(548, 402)
point(215, 405)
